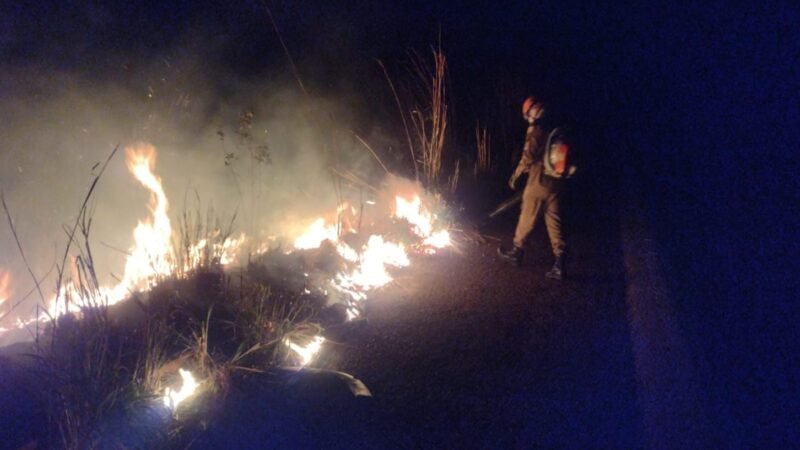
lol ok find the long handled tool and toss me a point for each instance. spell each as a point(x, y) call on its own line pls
point(506, 204)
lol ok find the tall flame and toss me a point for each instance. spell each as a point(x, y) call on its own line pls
point(151, 255)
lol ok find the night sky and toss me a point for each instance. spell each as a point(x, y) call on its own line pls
point(700, 98)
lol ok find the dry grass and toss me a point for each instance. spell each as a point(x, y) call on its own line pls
point(430, 120)
point(452, 181)
point(94, 367)
point(201, 240)
point(102, 368)
point(263, 322)
point(483, 157)
point(367, 146)
point(91, 369)
point(86, 370)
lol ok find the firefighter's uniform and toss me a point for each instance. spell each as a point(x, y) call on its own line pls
point(542, 193)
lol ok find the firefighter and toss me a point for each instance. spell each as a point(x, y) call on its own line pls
point(542, 192)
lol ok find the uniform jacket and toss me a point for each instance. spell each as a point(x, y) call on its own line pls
point(532, 159)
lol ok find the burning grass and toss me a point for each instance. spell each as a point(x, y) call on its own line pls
point(130, 365)
point(112, 356)
point(116, 364)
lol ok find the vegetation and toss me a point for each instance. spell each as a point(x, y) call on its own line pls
point(483, 159)
point(105, 367)
point(430, 119)
point(101, 367)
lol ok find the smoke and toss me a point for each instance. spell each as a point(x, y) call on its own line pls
point(251, 145)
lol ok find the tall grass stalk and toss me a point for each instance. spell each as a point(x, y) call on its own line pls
point(483, 159)
point(430, 121)
point(201, 241)
point(452, 181)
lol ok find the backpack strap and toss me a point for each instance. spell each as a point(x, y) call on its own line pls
point(568, 169)
point(548, 165)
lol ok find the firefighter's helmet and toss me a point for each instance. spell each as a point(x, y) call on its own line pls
point(532, 109)
point(528, 104)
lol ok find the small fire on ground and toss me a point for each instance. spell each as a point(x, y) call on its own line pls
point(173, 398)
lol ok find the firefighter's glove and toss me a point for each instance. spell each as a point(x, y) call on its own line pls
point(512, 182)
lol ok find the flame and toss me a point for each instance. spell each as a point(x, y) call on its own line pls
point(371, 271)
point(308, 352)
point(411, 210)
point(173, 398)
point(230, 249)
point(371, 262)
point(151, 255)
point(5, 287)
point(422, 222)
point(316, 234)
point(226, 252)
point(439, 239)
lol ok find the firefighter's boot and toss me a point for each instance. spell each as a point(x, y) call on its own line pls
point(513, 255)
point(557, 272)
